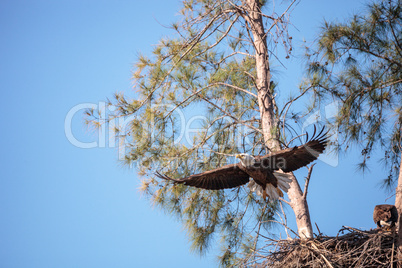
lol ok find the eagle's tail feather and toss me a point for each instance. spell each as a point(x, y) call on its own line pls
point(271, 191)
point(254, 187)
point(283, 180)
point(280, 193)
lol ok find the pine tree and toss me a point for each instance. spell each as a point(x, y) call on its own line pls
point(358, 63)
point(218, 64)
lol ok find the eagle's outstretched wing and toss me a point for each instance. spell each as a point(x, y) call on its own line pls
point(228, 176)
point(294, 158)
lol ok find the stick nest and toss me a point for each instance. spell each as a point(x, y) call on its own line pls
point(350, 248)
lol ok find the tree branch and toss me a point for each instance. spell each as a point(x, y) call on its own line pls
point(310, 170)
point(237, 88)
point(235, 53)
point(285, 201)
point(231, 116)
point(220, 39)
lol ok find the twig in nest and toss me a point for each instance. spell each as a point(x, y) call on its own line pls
point(322, 256)
point(356, 248)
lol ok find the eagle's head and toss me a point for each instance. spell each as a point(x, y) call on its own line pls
point(246, 159)
point(385, 215)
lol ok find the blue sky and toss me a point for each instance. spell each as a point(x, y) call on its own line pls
point(64, 206)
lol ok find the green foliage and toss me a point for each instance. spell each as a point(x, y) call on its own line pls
point(208, 67)
point(359, 64)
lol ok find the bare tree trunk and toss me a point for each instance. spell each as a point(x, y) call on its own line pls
point(298, 202)
point(398, 204)
point(265, 99)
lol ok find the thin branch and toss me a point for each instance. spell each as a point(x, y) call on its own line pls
point(377, 55)
point(220, 39)
point(238, 88)
point(310, 170)
point(290, 102)
point(395, 37)
point(233, 54)
point(231, 116)
point(195, 42)
point(206, 87)
point(283, 226)
point(298, 136)
point(285, 201)
point(322, 256)
point(216, 28)
point(285, 221)
point(280, 17)
point(196, 39)
point(186, 99)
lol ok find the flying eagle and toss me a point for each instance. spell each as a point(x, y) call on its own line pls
point(385, 216)
point(268, 172)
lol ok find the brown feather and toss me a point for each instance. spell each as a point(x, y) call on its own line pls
point(291, 159)
point(235, 175)
point(228, 176)
point(385, 213)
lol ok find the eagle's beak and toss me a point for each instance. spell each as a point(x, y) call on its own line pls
point(239, 156)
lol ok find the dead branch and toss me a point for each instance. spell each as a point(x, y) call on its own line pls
point(354, 248)
point(310, 170)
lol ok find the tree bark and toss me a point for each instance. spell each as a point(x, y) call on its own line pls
point(298, 202)
point(265, 98)
point(398, 205)
point(268, 119)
